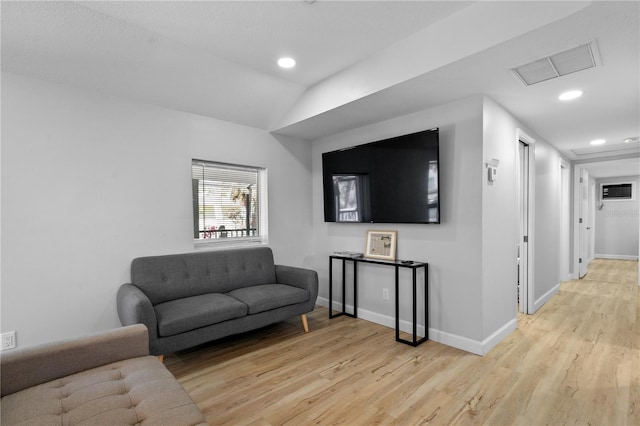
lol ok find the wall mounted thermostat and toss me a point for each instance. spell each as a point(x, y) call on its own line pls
point(492, 173)
point(492, 170)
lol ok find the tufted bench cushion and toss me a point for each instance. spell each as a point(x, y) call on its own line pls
point(129, 392)
point(103, 379)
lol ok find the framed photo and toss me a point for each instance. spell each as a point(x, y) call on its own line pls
point(381, 244)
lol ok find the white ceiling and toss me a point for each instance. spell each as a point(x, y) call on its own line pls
point(324, 37)
point(613, 168)
point(358, 61)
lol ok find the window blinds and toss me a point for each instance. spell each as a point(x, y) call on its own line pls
point(226, 200)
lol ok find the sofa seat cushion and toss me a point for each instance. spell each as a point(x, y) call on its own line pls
point(265, 297)
point(181, 315)
point(134, 391)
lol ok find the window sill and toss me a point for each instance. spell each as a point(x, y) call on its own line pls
point(220, 243)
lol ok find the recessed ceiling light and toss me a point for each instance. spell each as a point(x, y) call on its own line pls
point(571, 94)
point(629, 140)
point(287, 62)
point(598, 142)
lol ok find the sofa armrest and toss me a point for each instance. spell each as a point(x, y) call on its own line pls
point(31, 366)
point(134, 307)
point(299, 277)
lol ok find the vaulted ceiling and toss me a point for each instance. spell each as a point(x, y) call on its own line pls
point(358, 61)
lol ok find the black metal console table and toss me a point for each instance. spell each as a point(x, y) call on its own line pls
point(414, 266)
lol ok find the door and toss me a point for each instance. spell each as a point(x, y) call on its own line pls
point(523, 228)
point(565, 234)
point(583, 223)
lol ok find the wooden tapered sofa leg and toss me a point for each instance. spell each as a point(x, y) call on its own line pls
point(305, 323)
point(161, 358)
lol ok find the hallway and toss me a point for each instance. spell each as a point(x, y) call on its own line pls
point(612, 271)
point(585, 346)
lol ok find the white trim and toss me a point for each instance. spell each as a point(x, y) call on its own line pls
point(575, 225)
point(524, 137)
point(616, 256)
point(566, 262)
point(459, 342)
point(591, 223)
point(213, 243)
point(522, 255)
point(499, 335)
point(577, 201)
point(263, 205)
point(521, 135)
point(548, 295)
point(387, 321)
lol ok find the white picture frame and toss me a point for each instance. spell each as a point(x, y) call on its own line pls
point(381, 244)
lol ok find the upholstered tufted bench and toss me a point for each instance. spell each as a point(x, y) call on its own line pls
point(104, 379)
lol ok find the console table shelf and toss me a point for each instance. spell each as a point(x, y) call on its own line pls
point(414, 266)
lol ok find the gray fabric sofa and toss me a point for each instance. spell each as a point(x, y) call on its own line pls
point(107, 378)
point(192, 298)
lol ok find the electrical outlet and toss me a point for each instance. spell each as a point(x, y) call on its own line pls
point(385, 294)
point(8, 340)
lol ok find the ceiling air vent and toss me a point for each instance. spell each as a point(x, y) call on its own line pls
point(563, 63)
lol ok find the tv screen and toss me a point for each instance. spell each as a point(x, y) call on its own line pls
point(389, 181)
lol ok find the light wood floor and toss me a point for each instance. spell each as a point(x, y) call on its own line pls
point(576, 361)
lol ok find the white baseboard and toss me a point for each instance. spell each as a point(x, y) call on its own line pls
point(377, 318)
point(616, 256)
point(545, 297)
point(322, 301)
point(458, 342)
point(449, 339)
point(497, 337)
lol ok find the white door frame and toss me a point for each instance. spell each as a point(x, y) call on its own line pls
point(591, 218)
point(565, 217)
point(576, 216)
point(527, 260)
point(578, 232)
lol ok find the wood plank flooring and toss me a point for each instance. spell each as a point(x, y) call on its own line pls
point(576, 361)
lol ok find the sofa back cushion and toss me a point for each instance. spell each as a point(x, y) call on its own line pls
point(170, 277)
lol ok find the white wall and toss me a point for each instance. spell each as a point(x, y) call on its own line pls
point(548, 222)
point(499, 222)
point(616, 224)
point(472, 253)
point(499, 215)
point(90, 182)
point(452, 248)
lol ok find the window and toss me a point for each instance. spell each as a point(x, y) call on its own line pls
point(228, 203)
point(616, 191)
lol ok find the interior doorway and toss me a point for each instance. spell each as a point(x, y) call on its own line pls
point(525, 166)
point(565, 225)
point(583, 223)
point(586, 202)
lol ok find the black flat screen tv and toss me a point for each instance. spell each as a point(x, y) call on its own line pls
point(389, 181)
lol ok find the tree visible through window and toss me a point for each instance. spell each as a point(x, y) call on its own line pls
point(226, 201)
